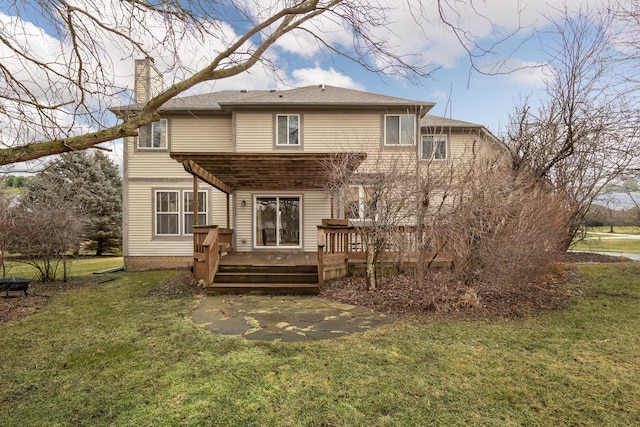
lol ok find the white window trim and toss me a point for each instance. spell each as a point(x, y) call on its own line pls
point(400, 144)
point(361, 205)
point(156, 213)
point(202, 210)
point(254, 221)
point(164, 145)
point(437, 138)
point(180, 213)
point(278, 144)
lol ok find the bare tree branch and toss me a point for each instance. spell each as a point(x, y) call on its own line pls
point(58, 86)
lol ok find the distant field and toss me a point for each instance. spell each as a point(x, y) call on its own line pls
point(12, 190)
point(616, 230)
point(599, 239)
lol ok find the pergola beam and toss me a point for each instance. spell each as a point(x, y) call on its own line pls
point(208, 177)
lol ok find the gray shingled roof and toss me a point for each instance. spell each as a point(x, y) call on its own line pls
point(437, 121)
point(439, 124)
point(317, 95)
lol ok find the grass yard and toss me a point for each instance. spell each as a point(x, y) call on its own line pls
point(78, 267)
point(123, 354)
point(609, 245)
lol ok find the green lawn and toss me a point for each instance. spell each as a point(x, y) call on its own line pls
point(116, 354)
point(608, 245)
point(599, 239)
point(78, 267)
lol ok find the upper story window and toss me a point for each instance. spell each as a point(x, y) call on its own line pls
point(153, 135)
point(434, 147)
point(399, 129)
point(288, 129)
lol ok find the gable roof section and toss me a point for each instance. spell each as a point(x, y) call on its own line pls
point(437, 124)
point(432, 121)
point(308, 96)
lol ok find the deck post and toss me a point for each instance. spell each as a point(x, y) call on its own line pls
point(321, 244)
point(228, 212)
point(196, 208)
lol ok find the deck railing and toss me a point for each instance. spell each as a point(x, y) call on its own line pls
point(342, 243)
point(209, 242)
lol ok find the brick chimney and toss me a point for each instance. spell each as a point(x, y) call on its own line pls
point(148, 81)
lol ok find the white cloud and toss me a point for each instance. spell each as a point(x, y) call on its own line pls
point(317, 75)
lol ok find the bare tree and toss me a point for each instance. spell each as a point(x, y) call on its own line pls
point(377, 201)
point(55, 95)
point(6, 227)
point(46, 229)
point(584, 132)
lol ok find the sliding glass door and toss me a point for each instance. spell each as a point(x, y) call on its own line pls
point(277, 221)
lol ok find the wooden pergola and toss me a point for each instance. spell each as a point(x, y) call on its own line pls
point(229, 172)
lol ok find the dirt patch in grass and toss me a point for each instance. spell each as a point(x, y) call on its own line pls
point(591, 257)
point(178, 286)
point(17, 305)
point(444, 298)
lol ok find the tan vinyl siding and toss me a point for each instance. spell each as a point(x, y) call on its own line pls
point(243, 222)
point(254, 132)
point(155, 165)
point(333, 132)
point(201, 134)
point(151, 164)
point(186, 133)
point(462, 147)
point(317, 205)
point(141, 240)
point(218, 202)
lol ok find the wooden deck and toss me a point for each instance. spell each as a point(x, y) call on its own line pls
point(267, 258)
point(270, 272)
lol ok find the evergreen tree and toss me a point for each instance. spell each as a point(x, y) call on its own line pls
point(94, 186)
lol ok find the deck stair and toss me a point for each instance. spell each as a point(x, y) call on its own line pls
point(273, 278)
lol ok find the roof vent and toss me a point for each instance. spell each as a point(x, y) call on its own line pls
point(322, 87)
point(243, 91)
point(272, 91)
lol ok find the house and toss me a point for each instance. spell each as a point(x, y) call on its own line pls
point(257, 162)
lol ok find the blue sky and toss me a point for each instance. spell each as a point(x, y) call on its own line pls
point(457, 91)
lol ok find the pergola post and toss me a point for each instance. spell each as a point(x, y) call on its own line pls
point(196, 208)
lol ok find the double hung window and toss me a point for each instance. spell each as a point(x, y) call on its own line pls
point(167, 213)
point(153, 135)
point(288, 130)
point(174, 214)
point(400, 129)
point(434, 147)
